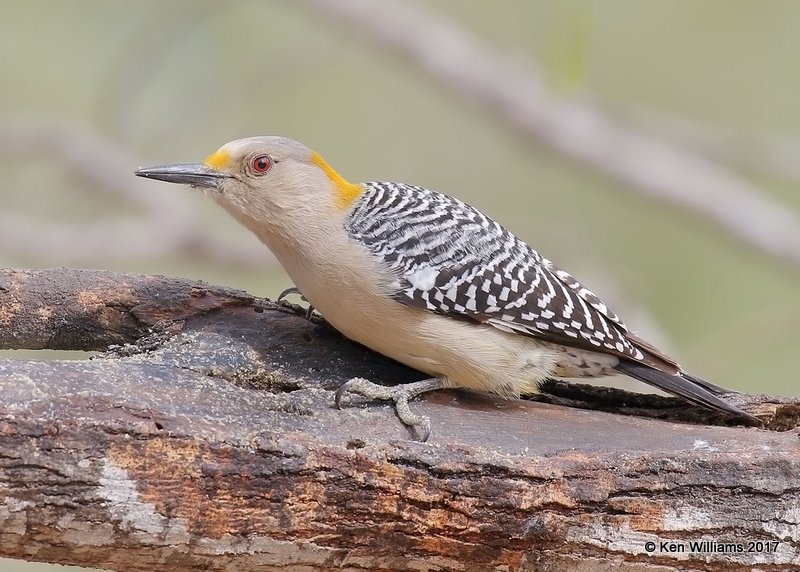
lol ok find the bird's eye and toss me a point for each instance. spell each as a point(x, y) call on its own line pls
point(261, 164)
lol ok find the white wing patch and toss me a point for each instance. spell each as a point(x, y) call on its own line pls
point(423, 278)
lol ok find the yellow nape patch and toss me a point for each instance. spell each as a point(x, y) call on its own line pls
point(347, 192)
point(218, 160)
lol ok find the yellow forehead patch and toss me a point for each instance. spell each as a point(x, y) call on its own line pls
point(347, 192)
point(218, 160)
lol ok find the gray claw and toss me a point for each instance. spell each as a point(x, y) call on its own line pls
point(292, 290)
point(295, 290)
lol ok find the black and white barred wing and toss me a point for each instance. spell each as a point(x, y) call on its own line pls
point(453, 260)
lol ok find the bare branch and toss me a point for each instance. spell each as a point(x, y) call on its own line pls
point(766, 153)
point(209, 442)
point(97, 159)
point(170, 225)
point(646, 165)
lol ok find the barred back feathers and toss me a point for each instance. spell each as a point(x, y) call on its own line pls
point(452, 259)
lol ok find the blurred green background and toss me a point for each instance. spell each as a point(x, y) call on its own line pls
point(123, 84)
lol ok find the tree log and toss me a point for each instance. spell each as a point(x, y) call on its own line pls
point(205, 438)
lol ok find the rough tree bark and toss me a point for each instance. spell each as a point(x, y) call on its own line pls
point(205, 438)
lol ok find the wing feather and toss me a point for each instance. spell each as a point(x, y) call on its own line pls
point(453, 260)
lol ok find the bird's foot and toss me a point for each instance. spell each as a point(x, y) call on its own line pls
point(400, 395)
point(295, 290)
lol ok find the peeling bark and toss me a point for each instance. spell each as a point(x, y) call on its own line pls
point(206, 439)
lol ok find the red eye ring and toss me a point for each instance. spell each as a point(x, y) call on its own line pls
point(261, 164)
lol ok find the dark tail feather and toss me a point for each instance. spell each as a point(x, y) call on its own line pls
point(688, 387)
point(716, 389)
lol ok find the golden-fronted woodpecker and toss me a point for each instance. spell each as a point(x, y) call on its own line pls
point(427, 280)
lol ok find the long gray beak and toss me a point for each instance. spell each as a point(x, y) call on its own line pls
point(195, 174)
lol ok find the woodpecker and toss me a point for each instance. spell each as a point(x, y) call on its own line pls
point(427, 280)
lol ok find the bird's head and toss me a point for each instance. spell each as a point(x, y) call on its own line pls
point(261, 179)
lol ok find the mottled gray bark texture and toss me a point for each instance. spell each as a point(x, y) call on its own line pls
point(206, 439)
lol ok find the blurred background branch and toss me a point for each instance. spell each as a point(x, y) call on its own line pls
point(168, 223)
point(768, 154)
point(647, 164)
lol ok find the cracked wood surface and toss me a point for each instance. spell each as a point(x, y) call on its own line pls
point(206, 439)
